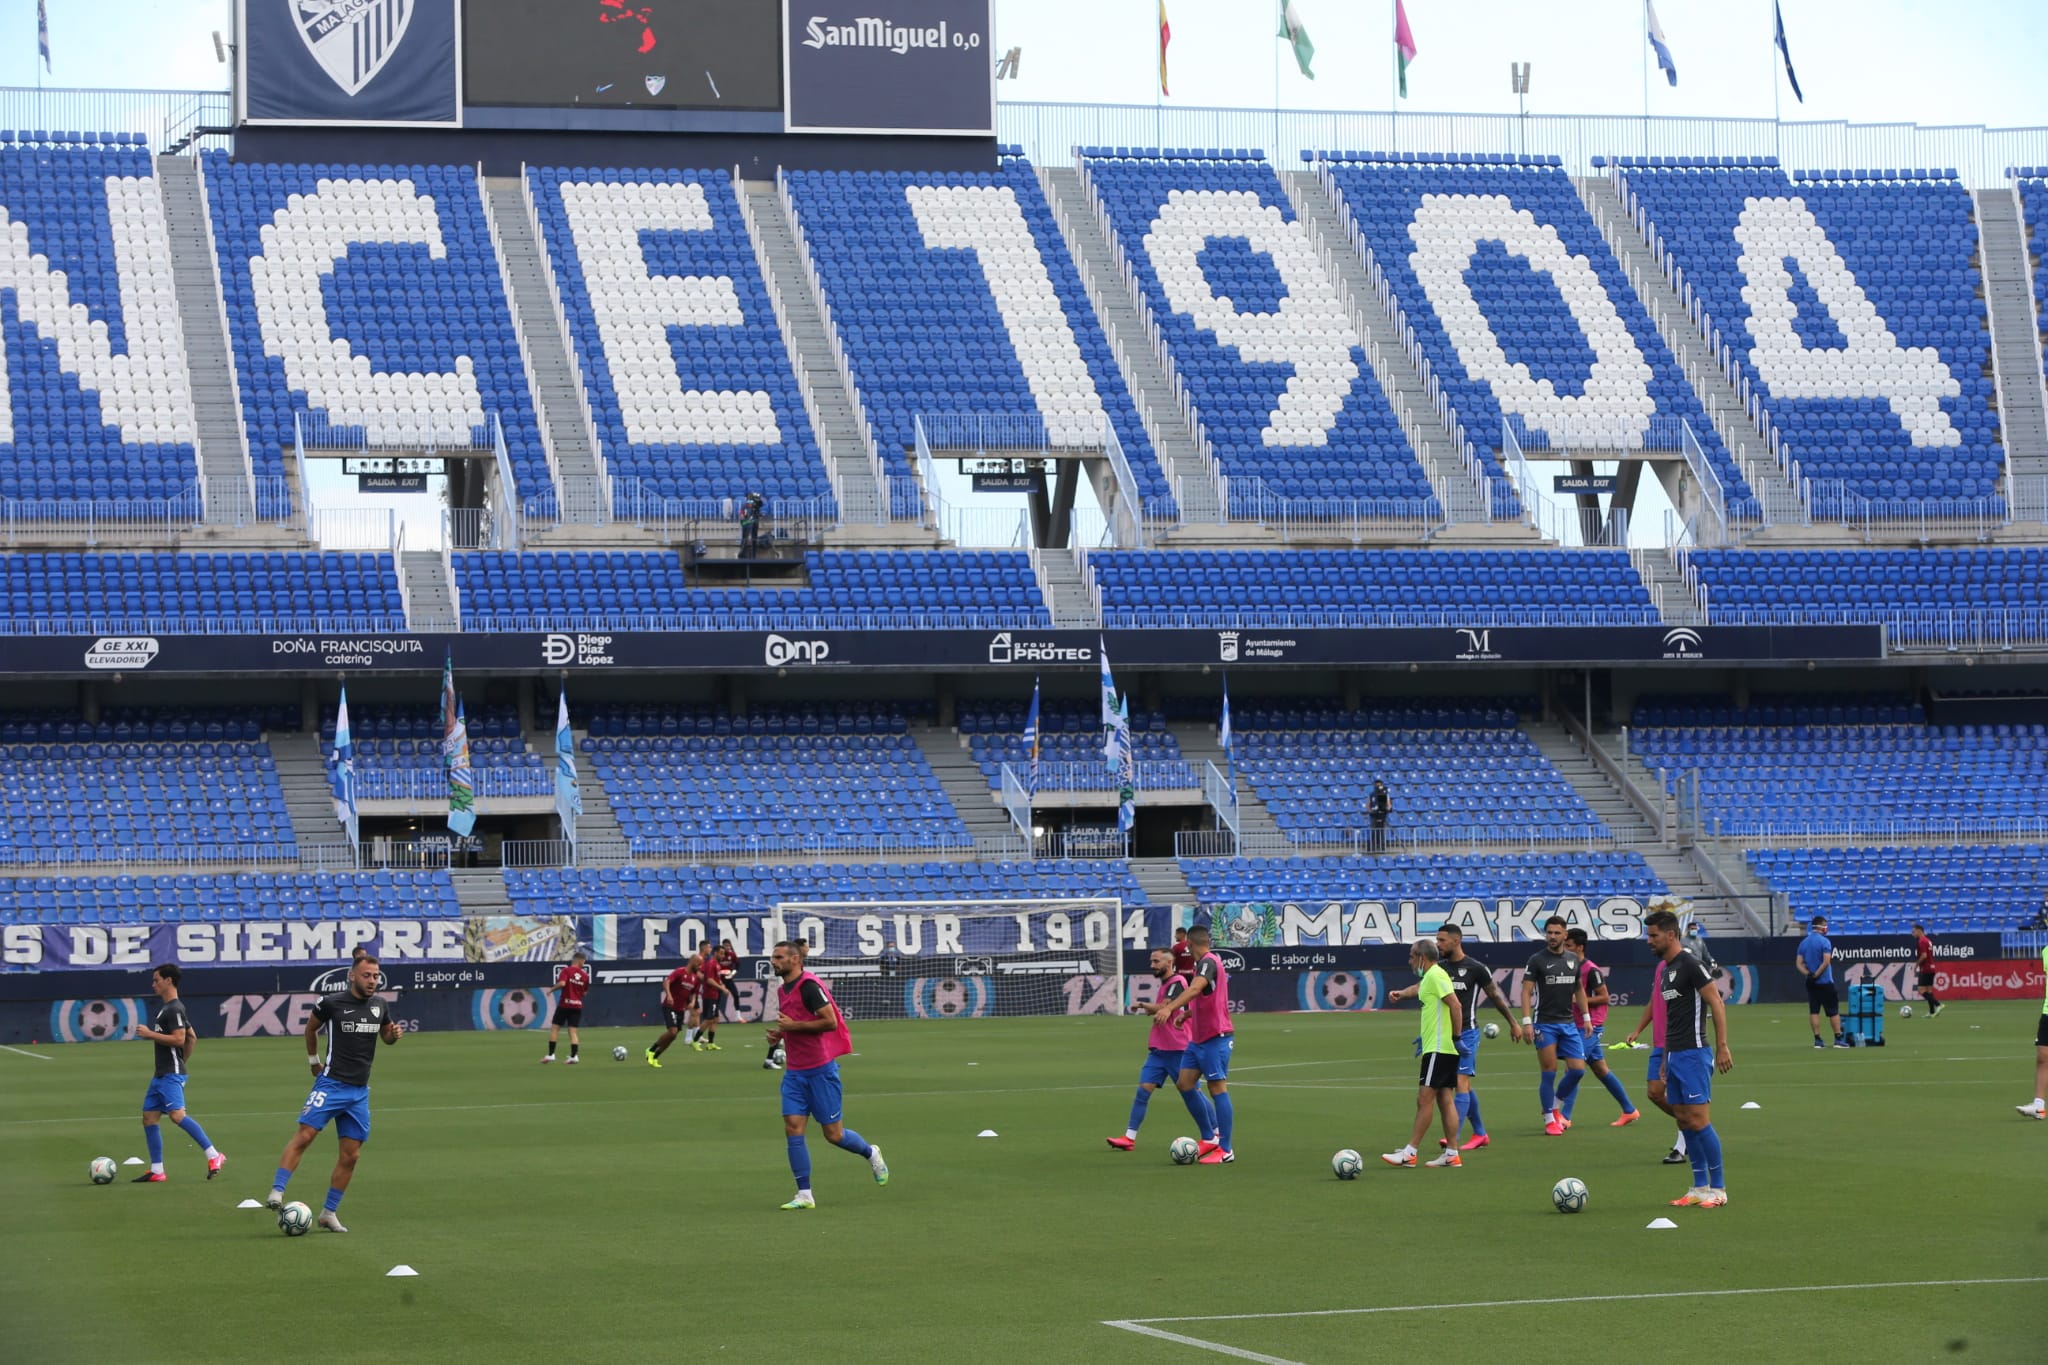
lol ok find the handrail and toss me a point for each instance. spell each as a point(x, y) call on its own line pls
point(398, 568)
point(1221, 794)
point(1655, 812)
point(547, 437)
point(572, 349)
point(227, 341)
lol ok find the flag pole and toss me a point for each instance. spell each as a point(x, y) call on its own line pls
point(1772, 48)
point(1645, 56)
point(1394, 78)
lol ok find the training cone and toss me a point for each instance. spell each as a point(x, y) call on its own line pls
point(1660, 1223)
point(399, 1272)
point(986, 1132)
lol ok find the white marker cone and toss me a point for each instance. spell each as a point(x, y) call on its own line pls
point(133, 1161)
point(1660, 1223)
point(249, 1204)
point(986, 1132)
point(1752, 1104)
point(399, 1271)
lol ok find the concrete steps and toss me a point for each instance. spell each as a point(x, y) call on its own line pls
point(1162, 881)
point(223, 449)
point(841, 438)
point(481, 890)
point(601, 843)
point(429, 596)
point(965, 787)
point(1198, 745)
point(308, 799)
point(1174, 443)
point(2015, 338)
point(1562, 750)
point(558, 406)
point(1066, 592)
point(1675, 601)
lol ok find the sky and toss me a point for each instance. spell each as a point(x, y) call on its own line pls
point(1933, 62)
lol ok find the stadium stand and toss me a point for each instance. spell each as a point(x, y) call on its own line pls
point(608, 590)
point(95, 400)
point(1455, 771)
point(167, 898)
point(1850, 301)
point(371, 298)
point(398, 753)
point(208, 593)
point(1071, 756)
point(1519, 304)
point(139, 785)
point(1261, 588)
point(1922, 595)
point(692, 389)
point(2033, 192)
point(1952, 889)
point(755, 890)
point(849, 776)
point(1857, 765)
point(1274, 369)
point(1432, 876)
point(956, 296)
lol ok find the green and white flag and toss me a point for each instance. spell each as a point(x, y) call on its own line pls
point(1293, 32)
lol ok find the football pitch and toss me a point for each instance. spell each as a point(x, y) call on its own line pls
point(1885, 1204)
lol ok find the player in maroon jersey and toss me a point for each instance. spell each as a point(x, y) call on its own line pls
point(711, 999)
point(678, 1002)
point(729, 963)
point(572, 979)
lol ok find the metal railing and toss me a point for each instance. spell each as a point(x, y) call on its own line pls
point(1270, 619)
point(1779, 833)
point(148, 624)
point(166, 119)
point(1922, 520)
point(484, 620)
point(214, 856)
point(1048, 130)
point(1505, 837)
point(1564, 525)
point(431, 784)
point(1221, 794)
point(1322, 519)
point(317, 431)
point(593, 503)
point(87, 522)
point(1016, 800)
point(266, 509)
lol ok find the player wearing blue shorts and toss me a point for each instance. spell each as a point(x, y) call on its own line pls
point(354, 1020)
point(173, 1037)
point(1163, 1050)
point(1211, 1036)
point(1553, 994)
point(1653, 1019)
point(1592, 1027)
point(1474, 981)
point(814, 1037)
point(1689, 998)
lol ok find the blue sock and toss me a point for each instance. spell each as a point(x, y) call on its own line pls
point(283, 1178)
point(1225, 1119)
point(1568, 1088)
point(334, 1198)
point(1548, 1090)
point(1464, 1107)
point(799, 1161)
point(1711, 1157)
point(1614, 1088)
point(1696, 1152)
point(194, 1131)
point(854, 1142)
point(1478, 1124)
point(1138, 1104)
point(1197, 1101)
point(154, 1136)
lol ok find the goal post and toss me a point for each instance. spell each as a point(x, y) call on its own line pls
point(966, 959)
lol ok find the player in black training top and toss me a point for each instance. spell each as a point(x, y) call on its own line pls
point(1473, 982)
point(1552, 987)
point(353, 1020)
point(173, 1037)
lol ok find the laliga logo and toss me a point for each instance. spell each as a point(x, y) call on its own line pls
point(556, 650)
point(1683, 643)
point(781, 652)
point(352, 42)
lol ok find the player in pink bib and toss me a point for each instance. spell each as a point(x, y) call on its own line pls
point(1207, 998)
point(1164, 1048)
point(814, 1037)
point(1592, 1026)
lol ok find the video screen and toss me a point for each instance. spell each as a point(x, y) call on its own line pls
point(644, 54)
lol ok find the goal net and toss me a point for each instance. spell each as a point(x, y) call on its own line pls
point(965, 959)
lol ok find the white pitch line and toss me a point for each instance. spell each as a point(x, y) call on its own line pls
point(1586, 1298)
point(1215, 1347)
point(26, 1053)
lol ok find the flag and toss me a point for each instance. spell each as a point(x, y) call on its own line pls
point(1656, 32)
point(568, 794)
point(1404, 45)
point(1293, 32)
point(43, 31)
point(1778, 13)
point(1108, 710)
point(1031, 736)
point(1223, 734)
point(1127, 770)
point(1165, 37)
point(455, 755)
point(343, 778)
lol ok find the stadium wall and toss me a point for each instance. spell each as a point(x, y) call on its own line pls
point(503, 151)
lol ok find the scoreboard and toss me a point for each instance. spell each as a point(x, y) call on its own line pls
point(805, 66)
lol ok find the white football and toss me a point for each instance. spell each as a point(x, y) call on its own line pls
point(1184, 1150)
point(1347, 1164)
point(1491, 1030)
point(1905, 1011)
point(619, 1054)
point(1569, 1195)
point(104, 1170)
point(294, 1218)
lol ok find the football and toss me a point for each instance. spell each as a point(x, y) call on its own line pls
point(1569, 1195)
point(619, 1054)
point(1183, 1151)
point(103, 1170)
point(1347, 1164)
point(1492, 1030)
point(294, 1218)
point(1905, 1011)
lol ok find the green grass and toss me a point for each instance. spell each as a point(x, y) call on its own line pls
point(612, 1209)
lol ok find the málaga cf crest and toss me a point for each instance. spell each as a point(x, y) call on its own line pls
point(352, 39)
